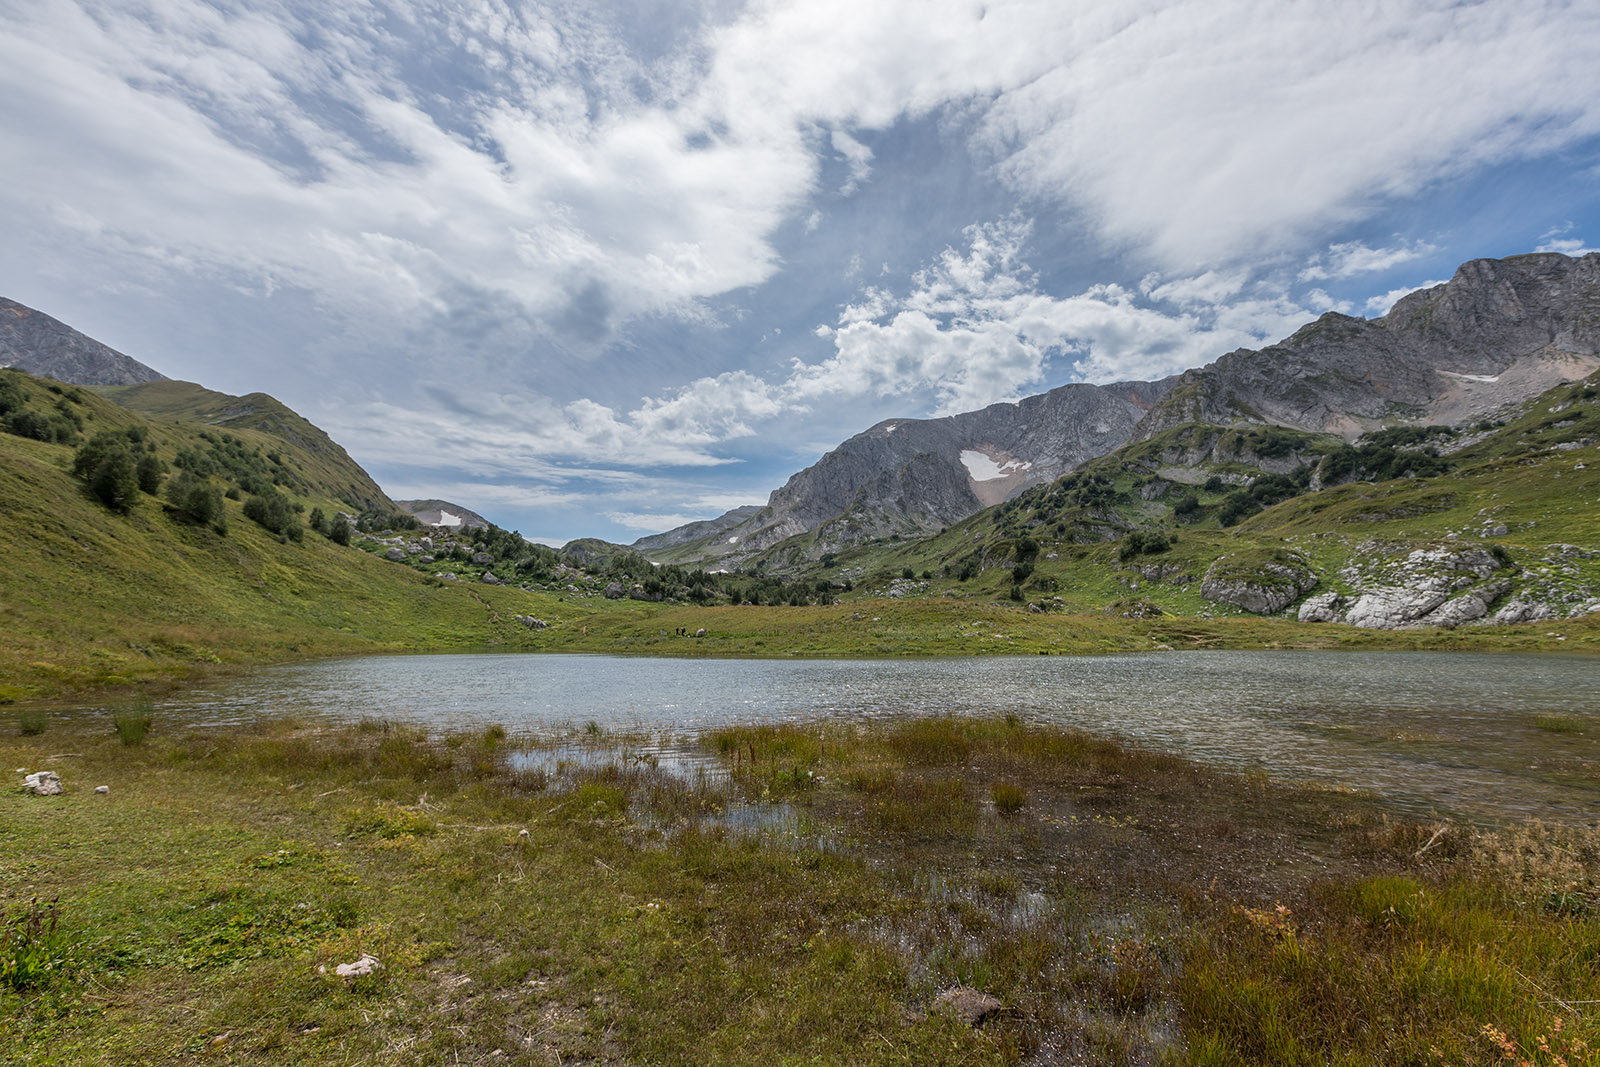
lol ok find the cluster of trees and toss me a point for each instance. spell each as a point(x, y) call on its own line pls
point(1265, 491)
point(275, 512)
point(1144, 543)
point(60, 426)
point(248, 468)
point(116, 465)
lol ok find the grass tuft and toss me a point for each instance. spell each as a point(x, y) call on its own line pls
point(132, 723)
point(1009, 798)
point(33, 949)
point(31, 721)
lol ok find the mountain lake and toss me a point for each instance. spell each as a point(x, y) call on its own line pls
point(1486, 736)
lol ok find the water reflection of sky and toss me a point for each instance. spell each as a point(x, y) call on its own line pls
point(1432, 730)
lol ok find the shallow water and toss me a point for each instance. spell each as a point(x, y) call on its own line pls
point(1429, 730)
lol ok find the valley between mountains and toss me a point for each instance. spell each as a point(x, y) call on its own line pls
point(1428, 479)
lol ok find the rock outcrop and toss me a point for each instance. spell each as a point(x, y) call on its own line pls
point(1262, 583)
point(1497, 334)
point(34, 342)
point(43, 783)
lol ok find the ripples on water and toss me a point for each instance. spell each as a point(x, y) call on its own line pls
point(1431, 730)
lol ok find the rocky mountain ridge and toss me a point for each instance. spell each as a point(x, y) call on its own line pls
point(911, 477)
point(1497, 334)
point(48, 348)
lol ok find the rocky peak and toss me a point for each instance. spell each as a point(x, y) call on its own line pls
point(34, 342)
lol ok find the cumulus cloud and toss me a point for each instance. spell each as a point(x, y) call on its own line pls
point(975, 328)
point(1558, 239)
point(1378, 306)
point(1350, 258)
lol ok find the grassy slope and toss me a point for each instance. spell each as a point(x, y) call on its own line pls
point(94, 599)
point(259, 419)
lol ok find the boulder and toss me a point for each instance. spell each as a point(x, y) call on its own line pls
point(700, 632)
point(1524, 611)
point(489, 578)
point(1263, 586)
point(396, 554)
point(360, 967)
point(43, 783)
point(1430, 586)
point(615, 591)
point(1324, 607)
point(482, 559)
point(532, 623)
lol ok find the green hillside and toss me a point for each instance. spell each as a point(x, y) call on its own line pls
point(319, 465)
point(1133, 532)
point(96, 598)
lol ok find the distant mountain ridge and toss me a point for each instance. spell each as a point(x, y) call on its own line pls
point(1497, 334)
point(47, 347)
point(912, 477)
point(443, 513)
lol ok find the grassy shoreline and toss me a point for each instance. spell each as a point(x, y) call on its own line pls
point(856, 629)
point(804, 896)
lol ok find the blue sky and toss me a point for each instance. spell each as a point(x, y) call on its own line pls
point(599, 269)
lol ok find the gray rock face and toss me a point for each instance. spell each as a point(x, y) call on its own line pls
point(34, 342)
point(913, 476)
point(1498, 333)
point(532, 623)
point(615, 591)
point(1524, 611)
point(1443, 585)
point(43, 783)
point(1324, 607)
point(1263, 587)
point(695, 531)
point(482, 559)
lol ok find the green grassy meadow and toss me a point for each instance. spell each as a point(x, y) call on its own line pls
point(805, 898)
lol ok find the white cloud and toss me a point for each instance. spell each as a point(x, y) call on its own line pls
point(591, 185)
point(1378, 306)
point(975, 329)
point(1350, 258)
point(857, 156)
point(650, 522)
point(1556, 240)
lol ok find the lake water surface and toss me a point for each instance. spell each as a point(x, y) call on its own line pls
point(1478, 734)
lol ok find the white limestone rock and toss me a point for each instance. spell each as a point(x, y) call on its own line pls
point(43, 783)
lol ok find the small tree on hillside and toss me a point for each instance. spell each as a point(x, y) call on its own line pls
point(107, 466)
point(149, 472)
